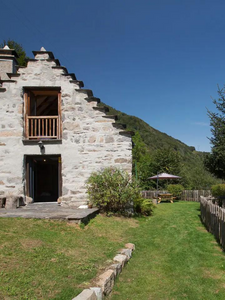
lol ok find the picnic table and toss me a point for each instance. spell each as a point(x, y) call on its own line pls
point(165, 197)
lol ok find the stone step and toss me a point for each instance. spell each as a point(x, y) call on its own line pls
point(42, 205)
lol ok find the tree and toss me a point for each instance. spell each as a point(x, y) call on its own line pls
point(19, 50)
point(147, 164)
point(215, 161)
point(139, 147)
point(166, 161)
point(141, 161)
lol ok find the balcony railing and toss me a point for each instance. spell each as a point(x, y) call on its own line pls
point(42, 127)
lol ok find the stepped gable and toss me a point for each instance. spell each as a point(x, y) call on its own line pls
point(48, 56)
point(48, 118)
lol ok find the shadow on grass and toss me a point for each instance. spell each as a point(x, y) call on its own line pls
point(168, 201)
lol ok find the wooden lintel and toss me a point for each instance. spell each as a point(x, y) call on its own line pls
point(43, 90)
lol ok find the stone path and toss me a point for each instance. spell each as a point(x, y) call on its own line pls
point(50, 211)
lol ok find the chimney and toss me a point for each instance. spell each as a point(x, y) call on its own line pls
point(8, 62)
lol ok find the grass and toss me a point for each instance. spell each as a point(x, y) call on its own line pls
point(175, 258)
point(42, 259)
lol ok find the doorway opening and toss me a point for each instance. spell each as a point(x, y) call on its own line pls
point(43, 177)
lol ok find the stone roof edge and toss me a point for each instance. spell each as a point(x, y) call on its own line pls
point(9, 52)
point(50, 53)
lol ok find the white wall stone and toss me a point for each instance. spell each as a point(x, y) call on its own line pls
point(89, 141)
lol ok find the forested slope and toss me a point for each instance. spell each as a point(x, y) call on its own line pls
point(193, 171)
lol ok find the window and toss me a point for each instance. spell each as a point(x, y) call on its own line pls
point(42, 113)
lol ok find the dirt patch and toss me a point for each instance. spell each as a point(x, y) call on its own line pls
point(208, 274)
point(132, 222)
point(219, 255)
point(75, 252)
point(74, 225)
point(202, 229)
point(218, 248)
point(30, 244)
point(214, 242)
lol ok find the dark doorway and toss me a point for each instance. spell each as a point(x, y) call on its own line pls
point(43, 177)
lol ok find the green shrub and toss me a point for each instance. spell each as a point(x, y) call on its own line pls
point(143, 206)
point(112, 190)
point(147, 207)
point(175, 189)
point(218, 190)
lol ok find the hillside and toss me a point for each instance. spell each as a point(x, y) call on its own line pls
point(193, 172)
point(152, 137)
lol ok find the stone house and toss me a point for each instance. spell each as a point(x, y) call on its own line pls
point(53, 135)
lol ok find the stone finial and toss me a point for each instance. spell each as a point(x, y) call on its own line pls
point(8, 62)
point(43, 54)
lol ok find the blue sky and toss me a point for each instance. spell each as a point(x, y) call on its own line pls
point(158, 60)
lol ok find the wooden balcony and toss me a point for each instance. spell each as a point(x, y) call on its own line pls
point(42, 127)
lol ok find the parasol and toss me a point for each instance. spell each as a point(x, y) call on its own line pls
point(164, 176)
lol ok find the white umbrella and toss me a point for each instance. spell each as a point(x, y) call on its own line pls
point(164, 176)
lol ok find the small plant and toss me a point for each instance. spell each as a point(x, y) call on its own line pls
point(143, 206)
point(175, 189)
point(218, 191)
point(112, 190)
point(147, 207)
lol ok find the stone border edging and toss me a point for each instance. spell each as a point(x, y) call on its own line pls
point(105, 282)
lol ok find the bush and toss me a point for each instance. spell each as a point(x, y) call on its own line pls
point(112, 190)
point(175, 189)
point(147, 207)
point(218, 190)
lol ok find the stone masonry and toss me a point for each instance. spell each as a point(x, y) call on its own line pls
point(90, 139)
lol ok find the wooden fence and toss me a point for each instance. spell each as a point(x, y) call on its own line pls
point(194, 195)
point(187, 195)
point(213, 217)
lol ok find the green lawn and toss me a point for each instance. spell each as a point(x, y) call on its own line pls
point(41, 259)
point(175, 258)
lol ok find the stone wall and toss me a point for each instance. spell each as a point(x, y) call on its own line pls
point(5, 67)
point(89, 140)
